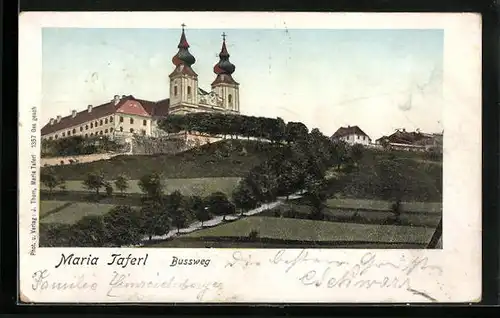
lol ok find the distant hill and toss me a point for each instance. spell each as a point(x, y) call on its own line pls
point(226, 158)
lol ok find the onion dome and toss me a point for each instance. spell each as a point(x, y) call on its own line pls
point(224, 66)
point(183, 56)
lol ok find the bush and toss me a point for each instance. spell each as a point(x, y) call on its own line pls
point(254, 234)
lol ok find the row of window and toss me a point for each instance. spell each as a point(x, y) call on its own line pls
point(143, 132)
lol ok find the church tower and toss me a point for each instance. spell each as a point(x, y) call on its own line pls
point(224, 85)
point(183, 80)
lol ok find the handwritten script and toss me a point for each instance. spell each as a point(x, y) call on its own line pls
point(328, 273)
point(123, 285)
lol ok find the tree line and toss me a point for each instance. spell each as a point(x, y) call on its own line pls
point(273, 129)
point(78, 145)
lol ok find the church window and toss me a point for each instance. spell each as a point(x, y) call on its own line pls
point(144, 122)
point(105, 131)
point(86, 127)
point(189, 90)
point(64, 134)
point(69, 133)
point(175, 90)
point(100, 132)
point(100, 122)
point(81, 128)
point(111, 119)
point(230, 99)
point(111, 129)
point(131, 130)
point(56, 136)
point(91, 125)
point(143, 131)
point(106, 121)
point(131, 120)
point(121, 119)
point(121, 128)
point(91, 134)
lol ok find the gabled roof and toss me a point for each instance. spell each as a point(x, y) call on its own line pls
point(155, 109)
point(404, 137)
point(349, 130)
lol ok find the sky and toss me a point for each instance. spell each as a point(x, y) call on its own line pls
point(380, 80)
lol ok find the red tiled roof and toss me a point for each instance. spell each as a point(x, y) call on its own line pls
point(183, 69)
point(224, 78)
point(350, 130)
point(404, 137)
point(154, 109)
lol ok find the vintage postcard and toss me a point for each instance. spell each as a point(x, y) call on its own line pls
point(185, 157)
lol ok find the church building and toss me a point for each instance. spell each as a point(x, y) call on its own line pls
point(125, 116)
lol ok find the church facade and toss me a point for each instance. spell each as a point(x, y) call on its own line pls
point(126, 116)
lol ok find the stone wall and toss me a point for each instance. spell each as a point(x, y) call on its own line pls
point(54, 161)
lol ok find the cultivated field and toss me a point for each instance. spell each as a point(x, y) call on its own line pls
point(307, 230)
point(74, 212)
point(283, 232)
point(46, 207)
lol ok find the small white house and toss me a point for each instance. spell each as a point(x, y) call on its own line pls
point(352, 135)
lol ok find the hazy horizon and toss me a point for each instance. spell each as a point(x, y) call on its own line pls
point(380, 80)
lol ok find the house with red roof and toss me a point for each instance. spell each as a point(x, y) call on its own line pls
point(125, 116)
point(352, 135)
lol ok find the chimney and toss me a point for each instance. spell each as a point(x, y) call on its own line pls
point(404, 129)
point(73, 113)
point(52, 121)
point(90, 108)
point(58, 118)
point(116, 100)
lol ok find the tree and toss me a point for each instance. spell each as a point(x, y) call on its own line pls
point(357, 153)
point(153, 218)
point(198, 209)
point(316, 196)
point(295, 131)
point(177, 210)
point(94, 181)
point(90, 231)
point(109, 189)
point(151, 185)
point(243, 197)
point(217, 204)
point(121, 224)
point(121, 183)
point(49, 179)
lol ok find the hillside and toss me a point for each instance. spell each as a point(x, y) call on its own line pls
point(226, 158)
point(386, 176)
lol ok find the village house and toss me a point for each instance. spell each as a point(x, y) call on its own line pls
point(411, 141)
point(127, 116)
point(352, 135)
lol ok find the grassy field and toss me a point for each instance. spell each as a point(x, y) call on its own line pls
point(307, 230)
point(46, 207)
point(193, 186)
point(228, 158)
point(76, 211)
point(379, 205)
point(350, 215)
